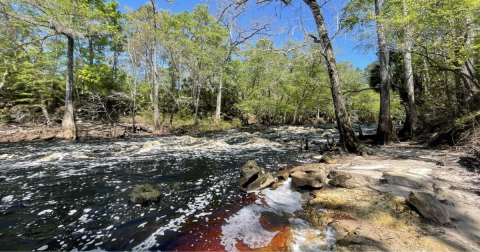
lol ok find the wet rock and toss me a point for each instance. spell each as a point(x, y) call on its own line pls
point(250, 173)
point(346, 180)
point(144, 194)
point(312, 180)
point(429, 207)
point(282, 175)
point(415, 181)
point(263, 181)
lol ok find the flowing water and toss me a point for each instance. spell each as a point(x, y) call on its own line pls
point(74, 196)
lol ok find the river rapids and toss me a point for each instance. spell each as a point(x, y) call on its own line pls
point(74, 196)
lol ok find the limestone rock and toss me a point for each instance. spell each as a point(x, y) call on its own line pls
point(144, 194)
point(263, 181)
point(250, 173)
point(282, 175)
point(309, 168)
point(346, 180)
point(301, 179)
point(429, 207)
point(414, 181)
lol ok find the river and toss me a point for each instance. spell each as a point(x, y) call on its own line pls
point(74, 196)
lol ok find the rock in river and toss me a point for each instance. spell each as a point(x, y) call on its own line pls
point(310, 176)
point(250, 173)
point(263, 181)
point(253, 179)
point(144, 194)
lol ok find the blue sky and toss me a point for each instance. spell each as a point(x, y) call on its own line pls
point(285, 17)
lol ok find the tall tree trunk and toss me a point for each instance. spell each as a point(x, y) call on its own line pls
point(156, 116)
point(347, 135)
point(410, 108)
point(197, 101)
point(69, 129)
point(172, 113)
point(219, 97)
point(468, 69)
point(385, 132)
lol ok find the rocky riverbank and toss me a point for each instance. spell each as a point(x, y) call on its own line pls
point(86, 130)
point(404, 198)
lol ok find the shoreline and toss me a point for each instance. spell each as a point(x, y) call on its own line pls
point(378, 215)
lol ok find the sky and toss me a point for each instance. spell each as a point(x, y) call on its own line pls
point(285, 17)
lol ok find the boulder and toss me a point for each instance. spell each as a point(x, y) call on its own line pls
point(310, 168)
point(346, 180)
point(429, 207)
point(282, 175)
point(313, 180)
point(263, 181)
point(250, 173)
point(144, 194)
point(415, 181)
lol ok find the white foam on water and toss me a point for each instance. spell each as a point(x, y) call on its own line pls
point(245, 226)
point(7, 199)
point(307, 238)
point(84, 218)
point(151, 241)
point(45, 212)
point(44, 247)
point(283, 199)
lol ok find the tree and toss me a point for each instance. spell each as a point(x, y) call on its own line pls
point(385, 133)
point(156, 116)
point(348, 140)
point(62, 17)
point(229, 13)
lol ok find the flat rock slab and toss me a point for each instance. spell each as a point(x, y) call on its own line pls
point(346, 179)
point(415, 181)
point(429, 207)
point(396, 190)
point(318, 167)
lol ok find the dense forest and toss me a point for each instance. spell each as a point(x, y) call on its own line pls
point(64, 59)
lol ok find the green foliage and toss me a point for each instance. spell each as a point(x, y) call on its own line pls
point(5, 115)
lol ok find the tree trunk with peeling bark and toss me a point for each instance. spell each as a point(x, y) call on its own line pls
point(68, 130)
point(385, 134)
point(347, 135)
